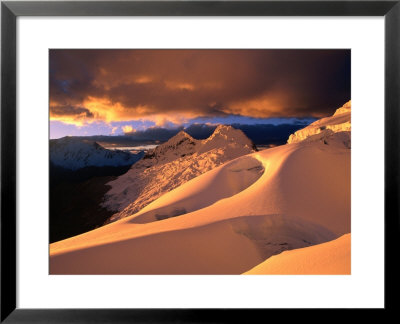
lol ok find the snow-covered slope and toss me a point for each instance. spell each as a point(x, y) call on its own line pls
point(322, 129)
point(228, 220)
point(331, 258)
point(172, 164)
point(74, 153)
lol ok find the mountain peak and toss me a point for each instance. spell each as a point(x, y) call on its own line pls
point(344, 109)
point(228, 133)
point(178, 139)
point(227, 136)
point(182, 134)
point(225, 130)
point(178, 145)
point(221, 128)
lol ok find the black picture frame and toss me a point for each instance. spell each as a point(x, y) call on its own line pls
point(10, 10)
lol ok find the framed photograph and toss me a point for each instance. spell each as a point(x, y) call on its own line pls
point(196, 161)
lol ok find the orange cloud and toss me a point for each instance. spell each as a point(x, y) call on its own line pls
point(142, 79)
point(165, 120)
point(179, 85)
point(105, 110)
point(268, 105)
point(170, 86)
point(102, 109)
point(262, 107)
point(70, 114)
point(128, 129)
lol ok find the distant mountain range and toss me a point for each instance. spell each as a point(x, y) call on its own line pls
point(260, 134)
point(75, 153)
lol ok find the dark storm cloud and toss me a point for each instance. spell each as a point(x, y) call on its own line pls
point(129, 84)
point(69, 110)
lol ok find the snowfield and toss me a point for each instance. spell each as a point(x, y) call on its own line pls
point(238, 217)
point(331, 258)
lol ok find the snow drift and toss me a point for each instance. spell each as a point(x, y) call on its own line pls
point(331, 258)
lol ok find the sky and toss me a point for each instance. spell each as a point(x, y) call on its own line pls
point(117, 92)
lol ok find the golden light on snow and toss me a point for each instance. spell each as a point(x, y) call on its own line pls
point(334, 258)
point(234, 217)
